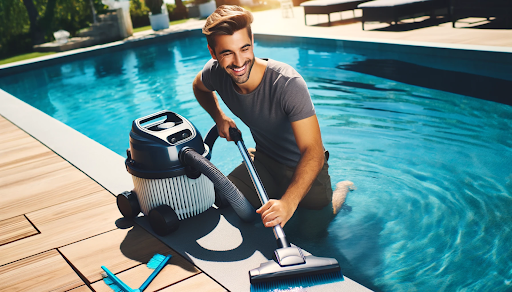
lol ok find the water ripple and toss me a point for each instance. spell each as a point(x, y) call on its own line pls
point(433, 169)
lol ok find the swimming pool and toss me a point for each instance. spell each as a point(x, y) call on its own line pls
point(433, 168)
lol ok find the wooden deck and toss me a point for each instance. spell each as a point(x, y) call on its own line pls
point(58, 227)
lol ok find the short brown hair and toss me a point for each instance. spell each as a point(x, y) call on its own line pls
point(226, 20)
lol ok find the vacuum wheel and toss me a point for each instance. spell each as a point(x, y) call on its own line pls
point(163, 220)
point(128, 205)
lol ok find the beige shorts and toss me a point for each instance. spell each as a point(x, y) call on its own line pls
point(276, 178)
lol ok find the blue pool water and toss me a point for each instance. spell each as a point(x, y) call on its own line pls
point(433, 168)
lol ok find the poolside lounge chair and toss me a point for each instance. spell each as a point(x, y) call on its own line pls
point(395, 10)
point(287, 8)
point(481, 8)
point(329, 6)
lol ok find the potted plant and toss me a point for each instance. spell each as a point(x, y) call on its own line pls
point(206, 7)
point(158, 17)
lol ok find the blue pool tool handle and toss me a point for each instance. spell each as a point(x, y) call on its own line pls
point(117, 281)
point(236, 136)
point(155, 272)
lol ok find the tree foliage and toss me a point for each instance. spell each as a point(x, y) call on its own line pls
point(27, 22)
point(13, 18)
point(139, 13)
point(177, 11)
point(155, 6)
point(24, 23)
point(39, 24)
point(14, 27)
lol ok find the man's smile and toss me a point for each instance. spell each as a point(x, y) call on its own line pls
point(239, 70)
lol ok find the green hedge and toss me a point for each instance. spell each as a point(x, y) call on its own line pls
point(69, 15)
point(140, 13)
point(175, 13)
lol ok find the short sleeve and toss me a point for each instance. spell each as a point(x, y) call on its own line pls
point(207, 74)
point(297, 102)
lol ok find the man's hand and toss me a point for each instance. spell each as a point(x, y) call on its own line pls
point(223, 124)
point(276, 212)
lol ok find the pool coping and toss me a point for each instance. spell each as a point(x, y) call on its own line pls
point(107, 167)
point(498, 49)
point(475, 59)
point(480, 56)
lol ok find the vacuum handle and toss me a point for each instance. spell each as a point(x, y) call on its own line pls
point(169, 117)
point(211, 137)
point(236, 135)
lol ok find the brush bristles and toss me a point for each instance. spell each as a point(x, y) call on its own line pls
point(155, 261)
point(297, 284)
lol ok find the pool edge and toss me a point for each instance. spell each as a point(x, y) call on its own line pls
point(71, 55)
point(482, 59)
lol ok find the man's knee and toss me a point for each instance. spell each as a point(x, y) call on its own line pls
point(320, 194)
point(307, 223)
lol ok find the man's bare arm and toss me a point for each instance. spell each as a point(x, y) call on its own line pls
point(309, 140)
point(210, 103)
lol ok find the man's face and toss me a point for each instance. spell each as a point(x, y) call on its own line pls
point(235, 55)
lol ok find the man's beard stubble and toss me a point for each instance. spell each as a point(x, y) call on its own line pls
point(244, 78)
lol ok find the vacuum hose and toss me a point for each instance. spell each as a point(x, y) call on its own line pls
point(224, 186)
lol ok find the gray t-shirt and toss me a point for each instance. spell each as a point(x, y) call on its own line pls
point(282, 97)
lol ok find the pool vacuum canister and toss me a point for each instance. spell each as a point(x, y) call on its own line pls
point(162, 185)
point(173, 176)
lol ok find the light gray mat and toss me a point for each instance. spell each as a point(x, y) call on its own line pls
point(226, 248)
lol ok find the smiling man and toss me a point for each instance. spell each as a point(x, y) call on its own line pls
point(272, 99)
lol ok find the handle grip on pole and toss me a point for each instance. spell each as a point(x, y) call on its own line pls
point(235, 134)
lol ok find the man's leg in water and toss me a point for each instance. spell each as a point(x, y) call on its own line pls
point(340, 194)
point(276, 178)
point(310, 224)
point(316, 210)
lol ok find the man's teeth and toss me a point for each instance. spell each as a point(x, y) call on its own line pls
point(239, 69)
